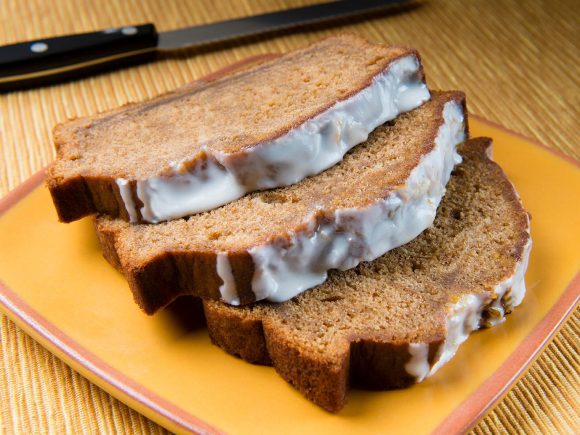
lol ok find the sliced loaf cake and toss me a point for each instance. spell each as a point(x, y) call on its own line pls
point(208, 144)
point(275, 244)
point(394, 321)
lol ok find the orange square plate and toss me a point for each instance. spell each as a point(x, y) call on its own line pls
point(58, 288)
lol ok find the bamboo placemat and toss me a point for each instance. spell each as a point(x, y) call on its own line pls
point(517, 62)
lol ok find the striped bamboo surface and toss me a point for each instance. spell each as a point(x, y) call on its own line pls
point(515, 60)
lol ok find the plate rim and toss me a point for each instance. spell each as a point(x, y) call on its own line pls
point(94, 368)
point(163, 411)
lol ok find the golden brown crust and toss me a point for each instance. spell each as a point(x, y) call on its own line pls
point(195, 275)
point(81, 183)
point(366, 360)
point(147, 251)
point(370, 362)
point(356, 328)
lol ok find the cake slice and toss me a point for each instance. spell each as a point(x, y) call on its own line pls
point(208, 144)
point(395, 321)
point(274, 245)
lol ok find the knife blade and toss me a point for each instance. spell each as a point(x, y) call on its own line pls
point(51, 60)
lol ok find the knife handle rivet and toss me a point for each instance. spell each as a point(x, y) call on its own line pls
point(129, 30)
point(39, 47)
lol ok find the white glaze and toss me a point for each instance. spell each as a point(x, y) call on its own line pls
point(187, 192)
point(283, 269)
point(127, 196)
point(418, 365)
point(306, 150)
point(224, 271)
point(465, 316)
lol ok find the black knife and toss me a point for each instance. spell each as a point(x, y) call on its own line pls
point(51, 60)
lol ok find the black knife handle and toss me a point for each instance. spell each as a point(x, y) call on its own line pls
point(50, 60)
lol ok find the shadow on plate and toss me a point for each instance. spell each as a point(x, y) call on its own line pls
point(183, 316)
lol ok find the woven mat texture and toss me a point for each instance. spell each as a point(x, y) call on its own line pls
point(517, 62)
